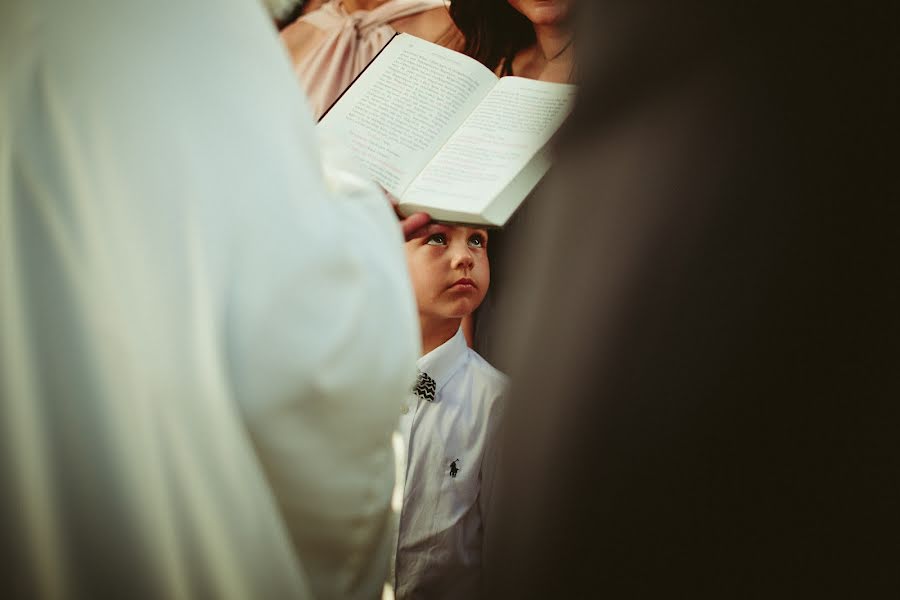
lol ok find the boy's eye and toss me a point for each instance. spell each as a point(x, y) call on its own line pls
point(437, 239)
point(476, 240)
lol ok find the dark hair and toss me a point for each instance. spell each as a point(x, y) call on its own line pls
point(494, 30)
point(292, 15)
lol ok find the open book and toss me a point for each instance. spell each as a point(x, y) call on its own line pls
point(444, 135)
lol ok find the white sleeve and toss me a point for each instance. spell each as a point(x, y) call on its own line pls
point(326, 341)
point(204, 346)
point(325, 345)
point(487, 495)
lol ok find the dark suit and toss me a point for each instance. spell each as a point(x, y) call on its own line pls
point(705, 342)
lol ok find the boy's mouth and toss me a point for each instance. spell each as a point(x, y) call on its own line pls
point(465, 282)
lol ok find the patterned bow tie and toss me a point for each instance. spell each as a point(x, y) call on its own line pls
point(425, 387)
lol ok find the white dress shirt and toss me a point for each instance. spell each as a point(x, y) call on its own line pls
point(449, 464)
point(201, 343)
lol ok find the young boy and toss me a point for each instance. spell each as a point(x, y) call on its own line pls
point(448, 423)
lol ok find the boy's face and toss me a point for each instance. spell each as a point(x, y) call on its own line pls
point(449, 270)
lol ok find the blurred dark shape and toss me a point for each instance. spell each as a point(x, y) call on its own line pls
point(292, 15)
point(706, 335)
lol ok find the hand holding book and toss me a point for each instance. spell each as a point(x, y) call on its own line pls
point(411, 225)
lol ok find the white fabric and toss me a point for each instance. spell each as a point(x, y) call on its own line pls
point(442, 529)
point(201, 348)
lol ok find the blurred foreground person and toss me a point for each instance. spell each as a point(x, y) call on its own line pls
point(705, 344)
point(202, 341)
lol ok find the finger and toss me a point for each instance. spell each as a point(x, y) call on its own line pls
point(413, 223)
point(418, 233)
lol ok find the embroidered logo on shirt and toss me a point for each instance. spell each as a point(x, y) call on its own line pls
point(454, 468)
point(425, 387)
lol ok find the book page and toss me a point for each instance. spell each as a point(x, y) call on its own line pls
point(513, 122)
point(405, 105)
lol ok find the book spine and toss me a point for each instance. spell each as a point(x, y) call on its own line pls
point(338, 99)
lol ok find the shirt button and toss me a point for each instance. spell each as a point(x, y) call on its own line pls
point(405, 410)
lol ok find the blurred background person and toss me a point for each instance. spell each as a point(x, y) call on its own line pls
point(202, 340)
point(524, 38)
point(704, 326)
point(331, 45)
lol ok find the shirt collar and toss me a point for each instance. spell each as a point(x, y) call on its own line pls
point(441, 363)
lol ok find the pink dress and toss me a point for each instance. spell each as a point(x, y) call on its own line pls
point(343, 44)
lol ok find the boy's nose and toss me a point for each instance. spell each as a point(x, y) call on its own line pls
point(462, 259)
